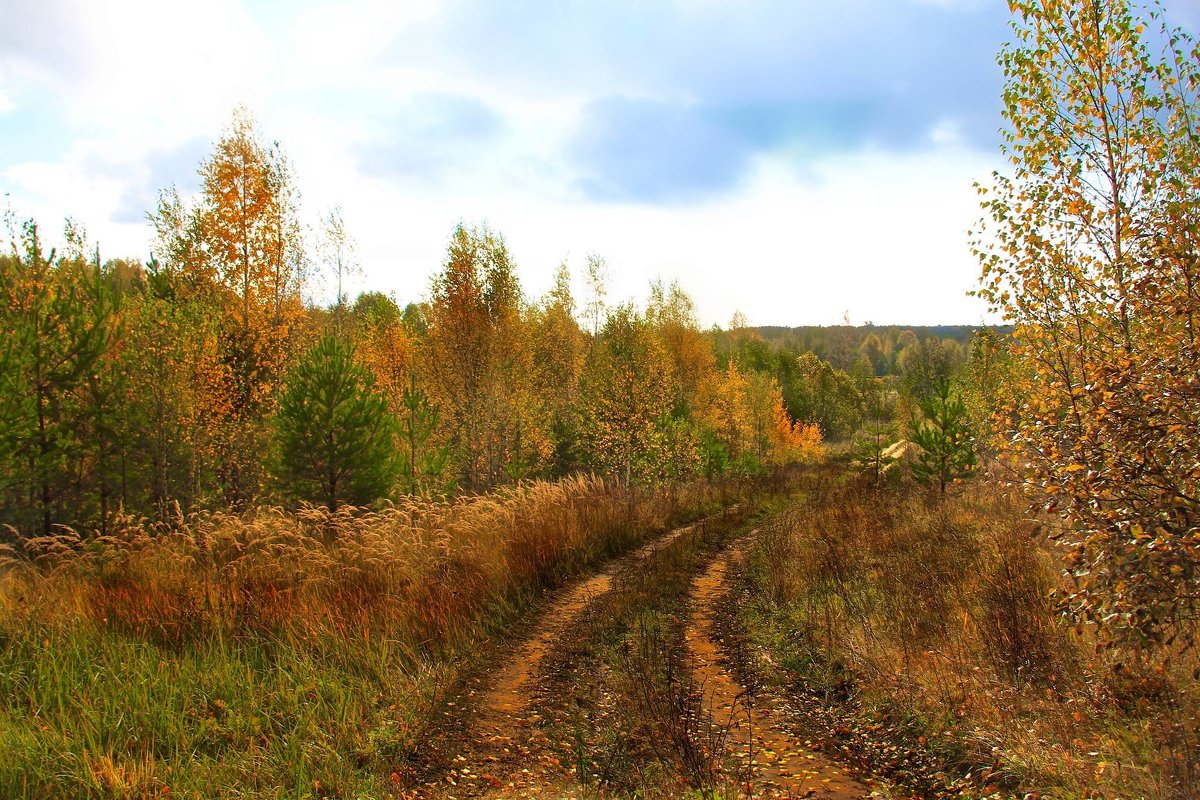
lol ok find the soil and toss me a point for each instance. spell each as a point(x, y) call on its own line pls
point(505, 753)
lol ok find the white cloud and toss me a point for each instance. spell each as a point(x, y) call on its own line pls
point(141, 86)
point(945, 133)
point(339, 45)
point(881, 237)
point(140, 67)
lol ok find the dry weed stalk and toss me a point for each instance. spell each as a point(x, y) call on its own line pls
point(420, 570)
point(944, 612)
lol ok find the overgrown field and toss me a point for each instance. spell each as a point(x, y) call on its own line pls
point(924, 636)
point(278, 654)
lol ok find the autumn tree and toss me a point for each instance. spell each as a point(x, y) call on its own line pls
point(386, 344)
point(672, 314)
point(336, 438)
point(240, 248)
point(171, 357)
point(776, 439)
point(560, 349)
point(728, 429)
point(790, 440)
point(479, 362)
point(1089, 248)
point(872, 348)
point(248, 225)
point(827, 396)
point(626, 398)
point(924, 364)
point(339, 250)
point(597, 281)
point(424, 463)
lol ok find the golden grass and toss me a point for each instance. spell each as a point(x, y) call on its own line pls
point(944, 613)
point(420, 570)
point(230, 655)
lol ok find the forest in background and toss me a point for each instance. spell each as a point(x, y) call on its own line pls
point(203, 379)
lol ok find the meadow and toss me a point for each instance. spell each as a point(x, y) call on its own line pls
point(927, 640)
point(233, 655)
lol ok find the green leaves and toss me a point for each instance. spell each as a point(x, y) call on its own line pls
point(335, 436)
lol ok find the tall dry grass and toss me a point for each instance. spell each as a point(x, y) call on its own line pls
point(423, 571)
point(941, 615)
point(309, 653)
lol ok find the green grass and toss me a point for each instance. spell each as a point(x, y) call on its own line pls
point(86, 713)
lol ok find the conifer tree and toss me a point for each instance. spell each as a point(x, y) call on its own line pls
point(59, 319)
point(871, 448)
point(947, 452)
point(336, 439)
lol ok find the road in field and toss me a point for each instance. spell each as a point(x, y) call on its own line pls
point(507, 755)
point(780, 764)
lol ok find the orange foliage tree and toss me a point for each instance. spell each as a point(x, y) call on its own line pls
point(480, 364)
point(1090, 250)
point(241, 249)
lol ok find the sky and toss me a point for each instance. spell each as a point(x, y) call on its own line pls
point(799, 161)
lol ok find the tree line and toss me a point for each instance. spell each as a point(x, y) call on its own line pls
point(203, 379)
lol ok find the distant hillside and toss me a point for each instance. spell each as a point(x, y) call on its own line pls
point(841, 344)
point(858, 333)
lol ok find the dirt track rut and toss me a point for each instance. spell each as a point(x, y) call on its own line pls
point(507, 754)
point(780, 764)
point(507, 759)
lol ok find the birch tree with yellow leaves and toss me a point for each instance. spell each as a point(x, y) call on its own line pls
point(626, 397)
point(241, 247)
point(1090, 248)
point(479, 361)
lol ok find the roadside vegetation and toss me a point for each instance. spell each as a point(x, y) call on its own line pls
point(230, 655)
point(924, 640)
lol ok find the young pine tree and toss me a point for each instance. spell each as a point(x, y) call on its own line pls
point(60, 319)
point(873, 449)
point(947, 452)
point(336, 440)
